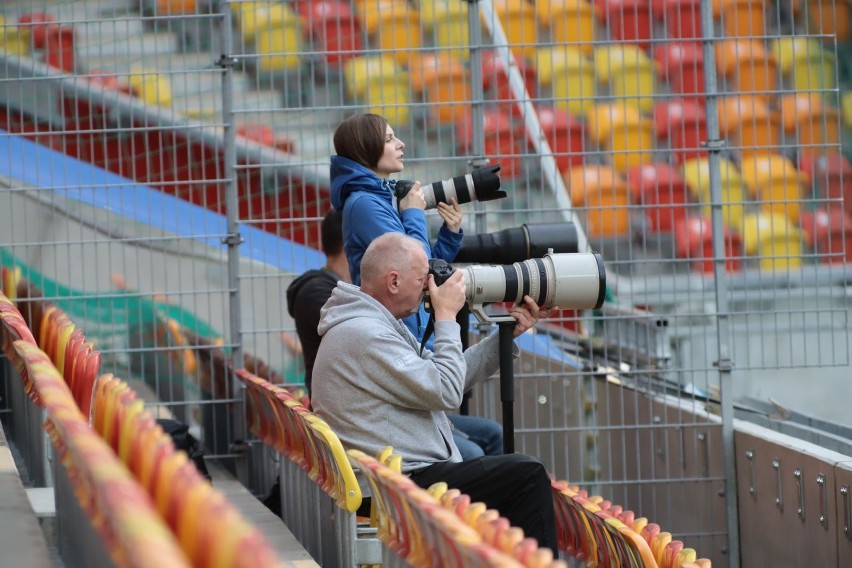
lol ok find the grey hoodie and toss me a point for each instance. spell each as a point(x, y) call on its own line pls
point(374, 389)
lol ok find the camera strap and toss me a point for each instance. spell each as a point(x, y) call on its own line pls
point(427, 333)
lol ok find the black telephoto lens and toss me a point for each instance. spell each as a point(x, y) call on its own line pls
point(519, 243)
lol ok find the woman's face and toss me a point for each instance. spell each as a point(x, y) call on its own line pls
point(392, 160)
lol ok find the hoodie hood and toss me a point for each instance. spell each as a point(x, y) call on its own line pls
point(348, 302)
point(296, 287)
point(348, 176)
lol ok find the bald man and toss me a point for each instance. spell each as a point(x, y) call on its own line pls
point(374, 388)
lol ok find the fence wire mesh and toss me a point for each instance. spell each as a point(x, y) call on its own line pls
point(165, 170)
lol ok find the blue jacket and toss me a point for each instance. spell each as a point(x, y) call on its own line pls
point(369, 211)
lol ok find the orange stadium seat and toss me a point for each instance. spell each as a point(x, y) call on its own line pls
point(629, 72)
point(814, 124)
point(831, 178)
point(566, 136)
point(603, 195)
point(570, 22)
point(696, 174)
point(570, 74)
point(333, 27)
point(829, 234)
point(663, 193)
point(445, 83)
point(774, 238)
point(379, 83)
point(504, 141)
point(749, 126)
point(681, 18)
point(694, 240)
point(804, 63)
point(682, 65)
point(628, 21)
point(623, 131)
point(775, 183)
point(828, 17)
point(741, 18)
point(448, 22)
point(394, 25)
point(747, 67)
point(519, 23)
point(684, 125)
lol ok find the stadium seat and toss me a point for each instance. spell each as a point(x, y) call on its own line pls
point(14, 40)
point(628, 21)
point(444, 82)
point(694, 240)
point(814, 124)
point(624, 132)
point(775, 183)
point(333, 27)
point(602, 194)
point(804, 63)
point(829, 234)
point(175, 7)
point(682, 65)
point(696, 174)
point(829, 18)
point(749, 126)
point(741, 18)
point(379, 83)
point(37, 25)
point(274, 32)
point(846, 103)
point(566, 136)
point(448, 21)
point(570, 75)
point(681, 18)
point(773, 238)
point(59, 48)
point(684, 125)
point(629, 72)
point(662, 192)
point(519, 23)
point(394, 25)
point(150, 86)
point(495, 81)
point(570, 22)
point(831, 178)
point(504, 141)
point(747, 67)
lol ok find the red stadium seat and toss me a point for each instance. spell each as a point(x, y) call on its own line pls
point(682, 65)
point(333, 27)
point(566, 136)
point(682, 18)
point(495, 80)
point(684, 125)
point(662, 191)
point(694, 240)
point(831, 176)
point(829, 234)
point(629, 21)
point(503, 141)
point(38, 24)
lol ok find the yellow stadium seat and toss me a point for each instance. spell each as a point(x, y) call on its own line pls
point(394, 24)
point(571, 76)
point(448, 21)
point(569, 21)
point(747, 67)
point(776, 183)
point(624, 131)
point(273, 31)
point(846, 103)
point(445, 82)
point(150, 86)
point(519, 23)
point(815, 124)
point(774, 238)
point(379, 83)
point(808, 66)
point(741, 18)
point(14, 40)
point(630, 73)
point(749, 125)
point(603, 193)
point(696, 174)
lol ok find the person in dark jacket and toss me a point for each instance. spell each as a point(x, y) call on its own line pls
point(307, 293)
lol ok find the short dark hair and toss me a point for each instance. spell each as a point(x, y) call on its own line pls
point(331, 232)
point(361, 138)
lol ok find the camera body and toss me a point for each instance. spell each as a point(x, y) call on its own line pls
point(441, 270)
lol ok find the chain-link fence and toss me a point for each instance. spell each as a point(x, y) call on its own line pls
point(165, 169)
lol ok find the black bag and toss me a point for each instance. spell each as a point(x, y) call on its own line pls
point(185, 441)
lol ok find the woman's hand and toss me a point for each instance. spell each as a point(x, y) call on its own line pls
point(527, 315)
point(414, 199)
point(452, 215)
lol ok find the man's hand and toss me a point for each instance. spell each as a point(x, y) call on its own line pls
point(527, 316)
point(448, 298)
point(452, 215)
point(414, 199)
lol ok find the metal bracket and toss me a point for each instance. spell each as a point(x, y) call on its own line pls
point(726, 365)
point(779, 499)
point(480, 162)
point(753, 483)
point(225, 61)
point(847, 521)
point(714, 145)
point(823, 500)
point(800, 491)
point(234, 239)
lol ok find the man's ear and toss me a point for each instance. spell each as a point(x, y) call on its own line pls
point(393, 281)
